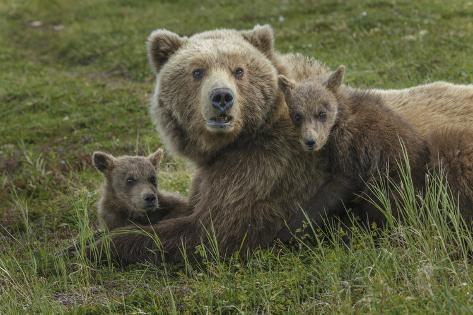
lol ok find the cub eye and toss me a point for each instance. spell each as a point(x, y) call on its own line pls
point(238, 72)
point(323, 116)
point(152, 180)
point(198, 74)
point(130, 180)
point(297, 118)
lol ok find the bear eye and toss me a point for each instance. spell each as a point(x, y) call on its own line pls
point(130, 180)
point(239, 72)
point(322, 116)
point(297, 118)
point(198, 74)
point(152, 180)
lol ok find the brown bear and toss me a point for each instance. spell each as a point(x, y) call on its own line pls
point(130, 192)
point(217, 103)
point(362, 138)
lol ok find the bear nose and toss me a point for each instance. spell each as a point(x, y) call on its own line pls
point(149, 198)
point(222, 99)
point(310, 143)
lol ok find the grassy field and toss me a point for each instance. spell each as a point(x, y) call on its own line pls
point(74, 78)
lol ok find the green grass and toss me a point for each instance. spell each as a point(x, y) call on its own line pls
point(78, 81)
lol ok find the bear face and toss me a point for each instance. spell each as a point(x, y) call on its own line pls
point(130, 180)
point(211, 87)
point(313, 107)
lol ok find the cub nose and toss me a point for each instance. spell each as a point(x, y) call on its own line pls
point(149, 198)
point(310, 143)
point(222, 99)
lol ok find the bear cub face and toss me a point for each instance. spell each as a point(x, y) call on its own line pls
point(313, 107)
point(131, 180)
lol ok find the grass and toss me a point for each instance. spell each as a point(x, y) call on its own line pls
point(74, 79)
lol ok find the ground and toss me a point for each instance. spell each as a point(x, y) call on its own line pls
point(74, 78)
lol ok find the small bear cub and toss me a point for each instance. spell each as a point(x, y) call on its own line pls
point(130, 190)
point(358, 134)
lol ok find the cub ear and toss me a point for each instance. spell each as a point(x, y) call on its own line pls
point(335, 79)
point(161, 45)
point(103, 161)
point(285, 84)
point(262, 37)
point(156, 157)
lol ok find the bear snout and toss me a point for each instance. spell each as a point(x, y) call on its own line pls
point(310, 143)
point(220, 111)
point(149, 200)
point(221, 99)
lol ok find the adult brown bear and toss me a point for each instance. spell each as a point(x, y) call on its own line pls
point(217, 104)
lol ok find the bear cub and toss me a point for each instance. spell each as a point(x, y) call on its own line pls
point(130, 191)
point(360, 137)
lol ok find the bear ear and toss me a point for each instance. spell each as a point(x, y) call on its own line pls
point(161, 45)
point(335, 79)
point(285, 84)
point(156, 157)
point(103, 161)
point(262, 37)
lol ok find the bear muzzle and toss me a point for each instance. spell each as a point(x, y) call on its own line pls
point(222, 100)
point(309, 144)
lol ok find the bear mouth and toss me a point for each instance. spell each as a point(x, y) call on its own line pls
point(221, 121)
point(148, 208)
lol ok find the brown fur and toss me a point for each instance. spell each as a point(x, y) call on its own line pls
point(128, 180)
point(359, 135)
point(426, 107)
point(244, 187)
point(433, 106)
point(251, 176)
point(452, 152)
